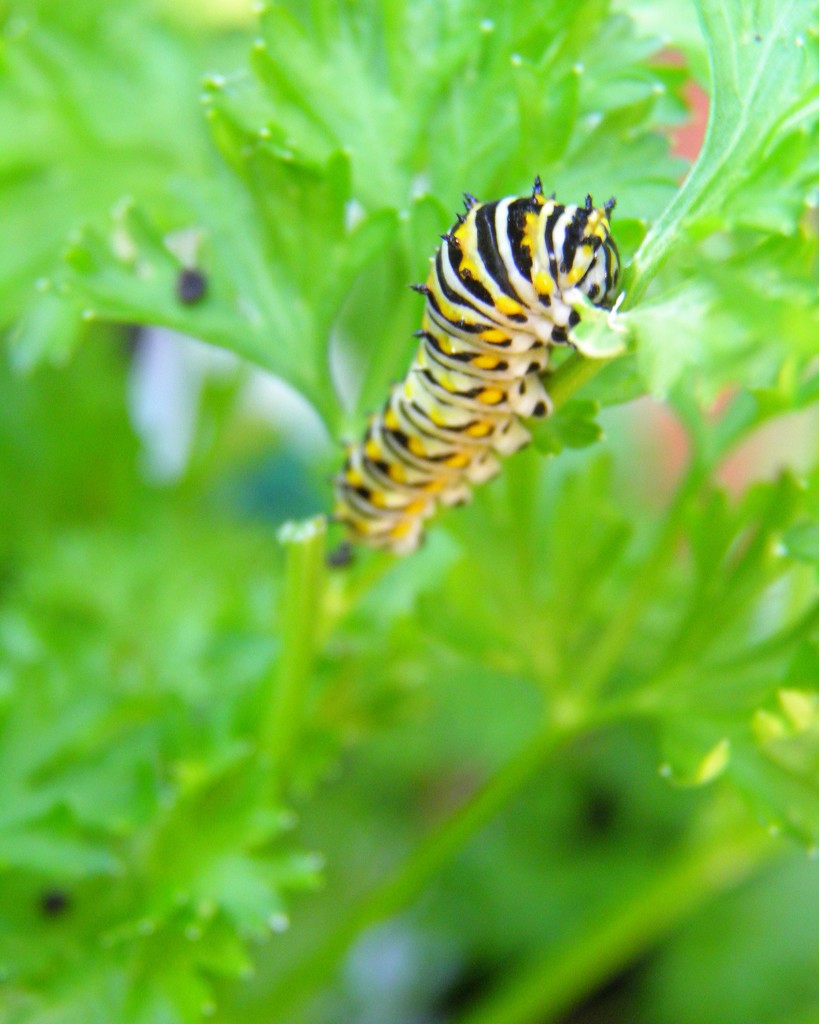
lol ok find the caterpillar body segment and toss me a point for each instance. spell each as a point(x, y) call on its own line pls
point(497, 299)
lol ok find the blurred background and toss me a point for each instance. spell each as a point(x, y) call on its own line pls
point(429, 859)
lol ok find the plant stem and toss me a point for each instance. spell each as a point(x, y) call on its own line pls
point(593, 671)
point(544, 990)
point(301, 598)
point(571, 376)
point(398, 891)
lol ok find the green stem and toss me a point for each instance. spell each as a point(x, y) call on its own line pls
point(545, 989)
point(400, 889)
point(616, 636)
point(571, 376)
point(303, 584)
point(658, 243)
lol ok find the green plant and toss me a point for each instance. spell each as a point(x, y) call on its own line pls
point(172, 684)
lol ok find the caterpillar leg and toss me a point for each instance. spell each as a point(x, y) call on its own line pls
point(483, 469)
point(404, 537)
point(458, 494)
point(511, 438)
point(530, 398)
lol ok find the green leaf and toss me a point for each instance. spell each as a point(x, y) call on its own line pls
point(669, 337)
point(599, 335)
point(572, 426)
point(699, 768)
point(802, 542)
point(760, 67)
point(618, 382)
point(72, 141)
point(52, 856)
point(47, 331)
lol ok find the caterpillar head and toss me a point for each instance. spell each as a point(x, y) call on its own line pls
point(586, 252)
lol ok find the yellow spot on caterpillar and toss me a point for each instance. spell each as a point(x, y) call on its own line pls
point(494, 336)
point(461, 233)
point(416, 447)
point(465, 236)
point(457, 461)
point(378, 499)
point(543, 282)
point(354, 477)
point(363, 527)
point(372, 449)
point(444, 344)
point(469, 268)
point(433, 486)
point(449, 310)
point(491, 396)
point(507, 306)
point(479, 429)
point(391, 420)
point(485, 362)
point(401, 529)
point(396, 473)
point(577, 271)
point(529, 239)
point(414, 507)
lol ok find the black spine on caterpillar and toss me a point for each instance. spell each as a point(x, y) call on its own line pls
point(498, 297)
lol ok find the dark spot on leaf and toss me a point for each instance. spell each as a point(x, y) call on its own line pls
point(191, 286)
point(600, 812)
point(54, 902)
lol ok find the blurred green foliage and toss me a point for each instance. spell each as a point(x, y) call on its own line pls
point(194, 719)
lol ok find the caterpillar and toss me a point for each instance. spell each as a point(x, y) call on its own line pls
point(498, 297)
